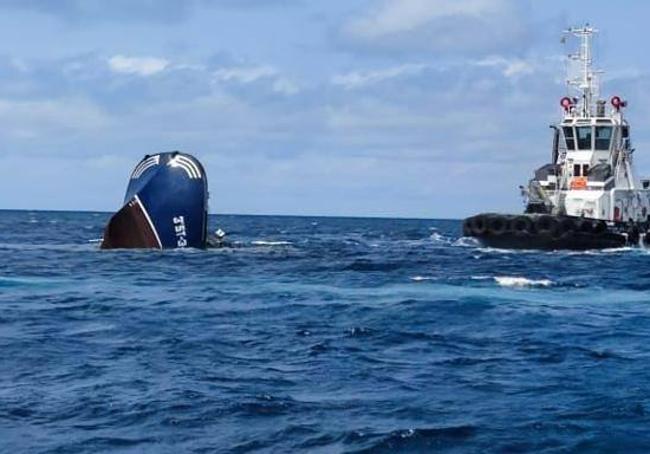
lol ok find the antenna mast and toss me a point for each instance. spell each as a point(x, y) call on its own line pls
point(586, 83)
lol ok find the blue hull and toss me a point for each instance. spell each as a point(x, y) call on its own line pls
point(165, 207)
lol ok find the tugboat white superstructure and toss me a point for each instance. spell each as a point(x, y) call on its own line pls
point(589, 196)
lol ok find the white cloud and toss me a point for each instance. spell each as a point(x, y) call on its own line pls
point(438, 25)
point(285, 86)
point(245, 75)
point(141, 66)
point(359, 79)
point(397, 16)
point(249, 74)
point(511, 68)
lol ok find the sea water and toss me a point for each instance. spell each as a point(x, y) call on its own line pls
point(319, 335)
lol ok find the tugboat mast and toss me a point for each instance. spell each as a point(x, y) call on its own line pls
point(585, 83)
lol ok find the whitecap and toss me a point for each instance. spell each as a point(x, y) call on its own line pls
point(435, 236)
point(466, 241)
point(519, 282)
point(270, 243)
point(494, 250)
point(421, 278)
point(616, 250)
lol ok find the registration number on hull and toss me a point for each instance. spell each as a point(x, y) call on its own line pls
point(181, 231)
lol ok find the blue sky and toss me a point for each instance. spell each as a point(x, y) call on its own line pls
point(415, 108)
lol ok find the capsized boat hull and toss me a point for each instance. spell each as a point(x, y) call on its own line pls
point(548, 232)
point(165, 206)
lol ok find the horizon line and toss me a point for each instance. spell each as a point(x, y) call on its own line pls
point(334, 216)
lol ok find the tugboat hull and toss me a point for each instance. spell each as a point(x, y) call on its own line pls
point(545, 232)
point(165, 205)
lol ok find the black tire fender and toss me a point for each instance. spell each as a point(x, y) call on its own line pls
point(585, 226)
point(478, 225)
point(548, 225)
point(567, 225)
point(600, 227)
point(467, 227)
point(497, 225)
point(522, 224)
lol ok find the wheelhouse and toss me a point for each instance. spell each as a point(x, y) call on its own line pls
point(593, 135)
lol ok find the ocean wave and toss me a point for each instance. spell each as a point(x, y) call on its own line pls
point(370, 265)
point(608, 251)
point(37, 247)
point(518, 282)
point(564, 252)
point(27, 281)
point(440, 238)
point(466, 241)
point(270, 243)
point(412, 440)
point(494, 250)
point(422, 278)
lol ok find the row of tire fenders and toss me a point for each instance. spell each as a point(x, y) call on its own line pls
point(544, 224)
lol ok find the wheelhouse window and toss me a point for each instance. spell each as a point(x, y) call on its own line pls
point(568, 138)
point(584, 137)
point(580, 170)
point(603, 137)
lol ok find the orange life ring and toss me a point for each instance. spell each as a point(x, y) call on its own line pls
point(579, 183)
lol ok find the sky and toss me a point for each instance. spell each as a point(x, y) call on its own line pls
point(399, 108)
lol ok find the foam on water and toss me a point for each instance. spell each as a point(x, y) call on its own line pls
point(422, 278)
point(440, 238)
point(517, 281)
point(270, 243)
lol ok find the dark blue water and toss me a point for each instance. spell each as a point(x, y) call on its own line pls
point(319, 335)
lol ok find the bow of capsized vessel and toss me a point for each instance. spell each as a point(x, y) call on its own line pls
point(165, 205)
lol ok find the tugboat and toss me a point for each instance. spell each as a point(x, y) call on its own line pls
point(588, 196)
point(165, 207)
